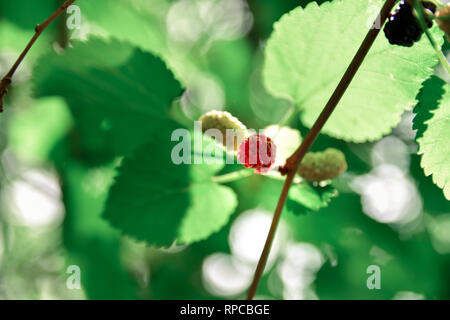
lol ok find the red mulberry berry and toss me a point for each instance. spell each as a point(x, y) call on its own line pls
point(257, 152)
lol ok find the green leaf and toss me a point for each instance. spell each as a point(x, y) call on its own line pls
point(147, 30)
point(36, 12)
point(311, 48)
point(304, 198)
point(429, 98)
point(158, 201)
point(95, 52)
point(111, 20)
point(117, 95)
point(434, 202)
point(33, 131)
point(433, 131)
point(91, 243)
point(286, 139)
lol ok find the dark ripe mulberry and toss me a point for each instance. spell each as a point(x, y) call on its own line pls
point(403, 29)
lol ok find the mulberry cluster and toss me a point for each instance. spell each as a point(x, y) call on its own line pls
point(403, 29)
point(223, 121)
point(257, 152)
point(325, 165)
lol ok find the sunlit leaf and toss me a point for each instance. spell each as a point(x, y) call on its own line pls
point(304, 198)
point(155, 200)
point(432, 122)
point(92, 244)
point(117, 95)
point(311, 48)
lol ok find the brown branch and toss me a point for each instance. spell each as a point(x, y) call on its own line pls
point(63, 31)
point(7, 79)
point(293, 161)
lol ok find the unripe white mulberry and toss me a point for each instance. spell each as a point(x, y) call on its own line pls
point(233, 131)
point(325, 165)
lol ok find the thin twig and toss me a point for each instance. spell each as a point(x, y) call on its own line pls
point(7, 79)
point(294, 161)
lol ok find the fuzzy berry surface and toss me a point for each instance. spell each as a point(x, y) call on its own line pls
point(324, 165)
point(403, 29)
point(224, 121)
point(257, 152)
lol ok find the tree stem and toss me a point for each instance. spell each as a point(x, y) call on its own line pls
point(7, 79)
point(293, 162)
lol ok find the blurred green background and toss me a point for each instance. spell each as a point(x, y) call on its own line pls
point(52, 193)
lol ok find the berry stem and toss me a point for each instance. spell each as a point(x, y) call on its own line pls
point(7, 79)
point(419, 11)
point(232, 176)
point(294, 161)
